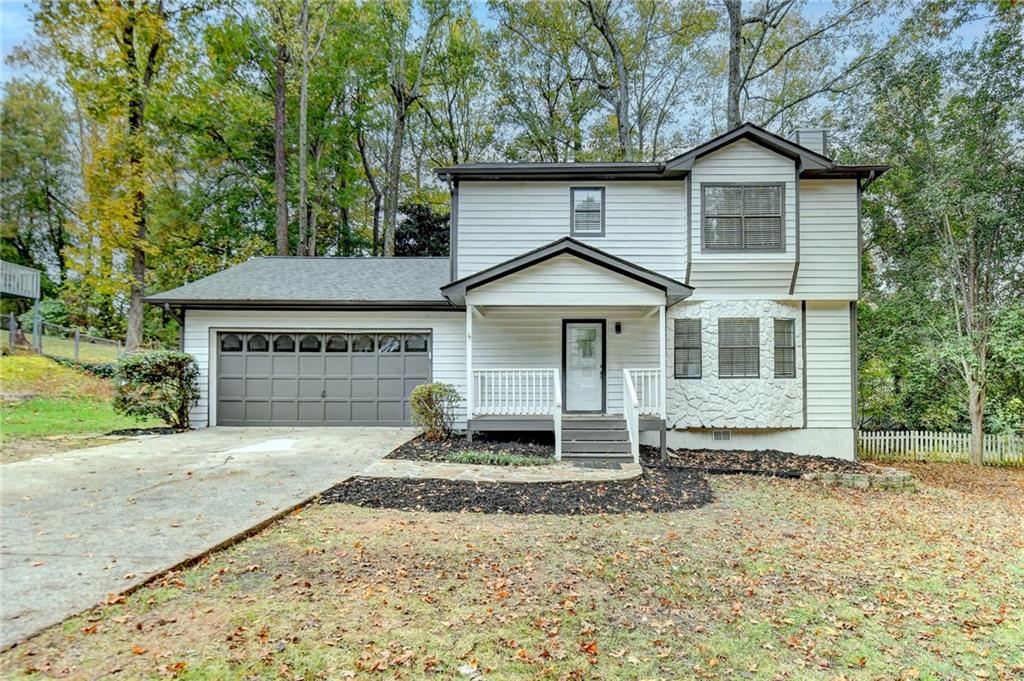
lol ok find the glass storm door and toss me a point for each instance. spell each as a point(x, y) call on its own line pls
point(584, 366)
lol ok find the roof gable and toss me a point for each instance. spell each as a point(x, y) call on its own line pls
point(808, 159)
point(673, 289)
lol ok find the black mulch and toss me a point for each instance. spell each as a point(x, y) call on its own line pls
point(156, 430)
point(760, 462)
point(422, 449)
point(657, 490)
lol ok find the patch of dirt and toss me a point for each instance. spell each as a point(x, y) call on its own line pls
point(763, 462)
point(657, 490)
point(155, 430)
point(23, 450)
point(984, 482)
point(422, 449)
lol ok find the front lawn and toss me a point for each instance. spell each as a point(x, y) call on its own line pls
point(48, 408)
point(775, 579)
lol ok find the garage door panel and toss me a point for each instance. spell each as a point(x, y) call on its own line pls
point(390, 365)
point(284, 388)
point(337, 387)
point(232, 410)
point(319, 378)
point(231, 388)
point(258, 388)
point(338, 366)
point(390, 411)
point(310, 387)
point(337, 412)
point(232, 364)
point(390, 388)
point(283, 412)
point(311, 366)
point(312, 412)
point(257, 412)
point(258, 365)
point(285, 365)
point(417, 365)
point(364, 411)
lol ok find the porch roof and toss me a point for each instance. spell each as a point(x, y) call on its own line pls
point(674, 290)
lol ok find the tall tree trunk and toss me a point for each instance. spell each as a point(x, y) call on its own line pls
point(976, 410)
point(620, 100)
point(735, 11)
point(303, 153)
point(395, 177)
point(374, 187)
point(280, 163)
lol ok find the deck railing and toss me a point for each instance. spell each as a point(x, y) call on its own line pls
point(649, 391)
point(514, 392)
point(519, 392)
point(631, 411)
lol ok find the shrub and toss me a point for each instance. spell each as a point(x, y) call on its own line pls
point(160, 383)
point(100, 369)
point(433, 408)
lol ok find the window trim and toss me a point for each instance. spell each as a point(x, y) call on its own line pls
point(776, 346)
point(757, 346)
point(704, 248)
point(572, 211)
point(699, 348)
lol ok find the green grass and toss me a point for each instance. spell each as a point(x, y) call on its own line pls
point(87, 352)
point(776, 579)
point(481, 458)
point(46, 417)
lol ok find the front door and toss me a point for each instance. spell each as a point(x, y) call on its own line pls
point(583, 357)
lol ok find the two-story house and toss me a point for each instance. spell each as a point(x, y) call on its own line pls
point(708, 301)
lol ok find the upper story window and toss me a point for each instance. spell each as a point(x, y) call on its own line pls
point(587, 217)
point(742, 217)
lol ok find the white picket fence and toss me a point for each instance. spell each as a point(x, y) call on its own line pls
point(927, 445)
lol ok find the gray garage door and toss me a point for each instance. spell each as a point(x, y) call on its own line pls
point(319, 379)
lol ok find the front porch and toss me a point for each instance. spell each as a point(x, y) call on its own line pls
point(591, 376)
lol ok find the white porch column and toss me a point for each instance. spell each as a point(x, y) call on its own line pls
point(469, 363)
point(662, 361)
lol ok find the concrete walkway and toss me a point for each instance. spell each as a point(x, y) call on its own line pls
point(80, 525)
point(556, 472)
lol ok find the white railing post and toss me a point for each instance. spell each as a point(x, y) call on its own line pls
point(631, 410)
point(556, 414)
point(469, 363)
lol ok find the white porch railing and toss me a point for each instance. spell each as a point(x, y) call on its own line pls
point(650, 391)
point(519, 392)
point(631, 410)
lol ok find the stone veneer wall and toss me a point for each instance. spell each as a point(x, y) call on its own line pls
point(711, 402)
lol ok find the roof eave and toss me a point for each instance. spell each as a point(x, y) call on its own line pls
point(365, 305)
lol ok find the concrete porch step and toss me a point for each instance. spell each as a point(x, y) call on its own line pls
point(593, 423)
point(606, 434)
point(597, 460)
point(595, 447)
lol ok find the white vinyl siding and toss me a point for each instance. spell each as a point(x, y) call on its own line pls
point(714, 273)
point(829, 365)
point(448, 331)
point(829, 265)
point(531, 338)
point(645, 222)
point(565, 280)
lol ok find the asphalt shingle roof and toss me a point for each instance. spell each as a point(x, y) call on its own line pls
point(318, 280)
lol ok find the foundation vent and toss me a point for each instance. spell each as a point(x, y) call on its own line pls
point(722, 435)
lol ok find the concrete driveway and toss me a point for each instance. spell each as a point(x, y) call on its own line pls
point(83, 524)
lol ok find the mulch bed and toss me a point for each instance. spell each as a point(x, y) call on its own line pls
point(761, 462)
point(657, 490)
point(422, 449)
point(156, 430)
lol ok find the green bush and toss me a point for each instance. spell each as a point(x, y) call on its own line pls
point(433, 408)
point(101, 369)
point(160, 383)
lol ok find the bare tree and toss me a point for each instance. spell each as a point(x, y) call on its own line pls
point(762, 40)
point(281, 59)
point(614, 86)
